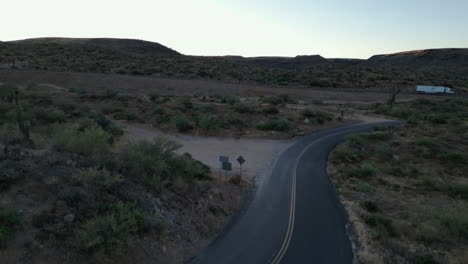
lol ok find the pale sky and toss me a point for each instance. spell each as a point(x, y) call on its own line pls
point(331, 28)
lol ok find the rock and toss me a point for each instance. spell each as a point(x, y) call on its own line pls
point(69, 218)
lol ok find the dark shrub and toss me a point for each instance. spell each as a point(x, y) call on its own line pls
point(182, 124)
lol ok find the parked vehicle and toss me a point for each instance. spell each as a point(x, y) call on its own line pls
point(434, 89)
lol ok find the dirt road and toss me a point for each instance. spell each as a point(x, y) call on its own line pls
point(259, 154)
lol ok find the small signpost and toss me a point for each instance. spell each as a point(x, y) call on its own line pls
point(222, 159)
point(241, 160)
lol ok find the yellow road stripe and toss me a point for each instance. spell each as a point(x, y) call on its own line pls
point(292, 210)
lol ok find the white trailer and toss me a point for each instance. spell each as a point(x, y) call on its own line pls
point(433, 89)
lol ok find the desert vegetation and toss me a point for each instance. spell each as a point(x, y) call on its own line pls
point(405, 187)
point(122, 58)
point(70, 195)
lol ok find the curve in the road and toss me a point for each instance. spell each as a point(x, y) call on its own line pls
point(295, 216)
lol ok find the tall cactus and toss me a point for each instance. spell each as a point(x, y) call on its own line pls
point(23, 125)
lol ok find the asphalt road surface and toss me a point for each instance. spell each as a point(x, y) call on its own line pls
point(295, 215)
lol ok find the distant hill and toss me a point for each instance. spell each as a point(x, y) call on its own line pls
point(298, 62)
point(132, 47)
point(452, 60)
point(446, 67)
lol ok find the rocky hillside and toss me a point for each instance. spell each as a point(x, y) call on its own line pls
point(453, 60)
point(133, 47)
point(137, 57)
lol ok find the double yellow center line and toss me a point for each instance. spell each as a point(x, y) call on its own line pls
point(292, 209)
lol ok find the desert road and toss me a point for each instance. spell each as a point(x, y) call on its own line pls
point(295, 215)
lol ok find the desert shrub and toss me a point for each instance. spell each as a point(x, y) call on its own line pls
point(209, 122)
point(280, 124)
point(401, 112)
point(274, 100)
point(148, 162)
point(317, 102)
point(381, 109)
point(370, 206)
point(359, 139)
point(383, 227)
point(94, 178)
point(285, 98)
point(425, 142)
point(233, 119)
point(111, 230)
point(161, 115)
point(366, 170)
point(451, 220)
point(244, 109)
point(230, 99)
point(155, 164)
point(187, 103)
point(270, 110)
point(365, 187)
point(455, 157)
point(319, 116)
point(50, 115)
point(107, 125)
point(265, 126)
point(124, 115)
point(384, 154)
point(345, 153)
point(89, 141)
point(9, 174)
point(459, 191)
point(10, 134)
point(182, 124)
point(10, 221)
point(189, 169)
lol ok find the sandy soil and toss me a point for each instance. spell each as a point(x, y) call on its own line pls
point(258, 153)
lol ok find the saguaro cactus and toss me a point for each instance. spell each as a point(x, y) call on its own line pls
point(392, 92)
point(23, 125)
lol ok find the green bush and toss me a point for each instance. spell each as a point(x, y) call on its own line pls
point(382, 226)
point(230, 99)
point(370, 206)
point(425, 142)
point(366, 170)
point(270, 110)
point(10, 221)
point(155, 164)
point(89, 142)
point(182, 124)
point(10, 134)
point(110, 231)
point(50, 115)
point(161, 115)
point(365, 187)
point(94, 178)
point(384, 154)
point(455, 157)
point(274, 100)
point(281, 124)
point(345, 153)
point(209, 123)
point(233, 119)
point(320, 116)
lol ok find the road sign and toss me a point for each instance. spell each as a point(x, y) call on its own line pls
point(241, 160)
point(227, 166)
point(223, 158)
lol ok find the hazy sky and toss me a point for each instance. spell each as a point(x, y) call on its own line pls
point(332, 28)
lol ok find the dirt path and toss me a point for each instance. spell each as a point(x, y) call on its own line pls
point(258, 153)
